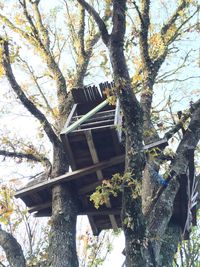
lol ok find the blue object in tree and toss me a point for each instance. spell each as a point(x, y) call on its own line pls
point(157, 177)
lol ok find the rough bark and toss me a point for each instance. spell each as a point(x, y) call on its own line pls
point(62, 247)
point(169, 246)
point(12, 249)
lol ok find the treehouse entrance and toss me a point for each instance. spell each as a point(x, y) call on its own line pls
point(92, 141)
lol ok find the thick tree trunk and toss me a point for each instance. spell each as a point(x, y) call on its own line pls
point(62, 245)
point(62, 239)
point(132, 217)
point(12, 249)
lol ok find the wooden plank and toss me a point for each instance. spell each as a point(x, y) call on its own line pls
point(95, 229)
point(96, 128)
point(99, 173)
point(40, 207)
point(162, 142)
point(99, 212)
point(65, 141)
point(115, 139)
point(99, 113)
point(70, 116)
point(96, 123)
point(70, 176)
point(118, 121)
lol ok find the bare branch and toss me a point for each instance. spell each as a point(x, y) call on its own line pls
point(35, 40)
point(138, 11)
point(37, 85)
point(21, 155)
point(178, 126)
point(178, 80)
point(12, 249)
point(102, 27)
point(23, 98)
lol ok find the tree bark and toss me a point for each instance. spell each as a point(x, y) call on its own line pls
point(62, 247)
point(12, 249)
point(169, 246)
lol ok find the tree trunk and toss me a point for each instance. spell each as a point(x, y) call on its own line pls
point(62, 245)
point(169, 245)
point(12, 249)
point(62, 239)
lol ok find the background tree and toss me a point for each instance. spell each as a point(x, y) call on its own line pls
point(136, 73)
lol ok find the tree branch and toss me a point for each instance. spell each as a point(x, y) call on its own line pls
point(144, 46)
point(28, 156)
point(119, 21)
point(102, 27)
point(81, 31)
point(30, 70)
point(35, 40)
point(12, 249)
point(164, 200)
point(23, 98)
point(40, 25)
point(174, 17)
point(185, 116)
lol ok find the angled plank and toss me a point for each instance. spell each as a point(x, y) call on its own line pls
point(99, 173)
point(70, 176)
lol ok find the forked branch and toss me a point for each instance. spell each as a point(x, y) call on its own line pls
point(28, 104)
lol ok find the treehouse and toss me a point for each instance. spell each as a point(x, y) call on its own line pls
point(92, 138)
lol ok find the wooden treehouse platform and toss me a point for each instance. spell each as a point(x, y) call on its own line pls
point(92, 141)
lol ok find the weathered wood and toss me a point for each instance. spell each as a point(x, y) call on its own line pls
point(84, 118)
point(70, 176)
point(70, 116)
point(161, 143)
point(118, 121)
point(97, 123)
point(67, 145)
point(40, 207)
point(93, 225)
point(99, 173)
point(109, 126)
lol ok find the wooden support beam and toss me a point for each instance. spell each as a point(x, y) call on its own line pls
point(40, 207)
point(86, 211)
point(99, 173)
point(70, 155)
point(70, 176)
point(161, 143)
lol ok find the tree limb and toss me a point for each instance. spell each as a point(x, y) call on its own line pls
point(174, 17)
point(40, 25)
point(102, 27)
point(145, 23)
point(178, 126)
point(12, 249)
point(21, 155)
point(164, 200)
point(23, 98)
point(119, 21)
point(81, 31)
point(35, 40)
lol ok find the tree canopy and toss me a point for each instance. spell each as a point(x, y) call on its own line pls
point(149, 49)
